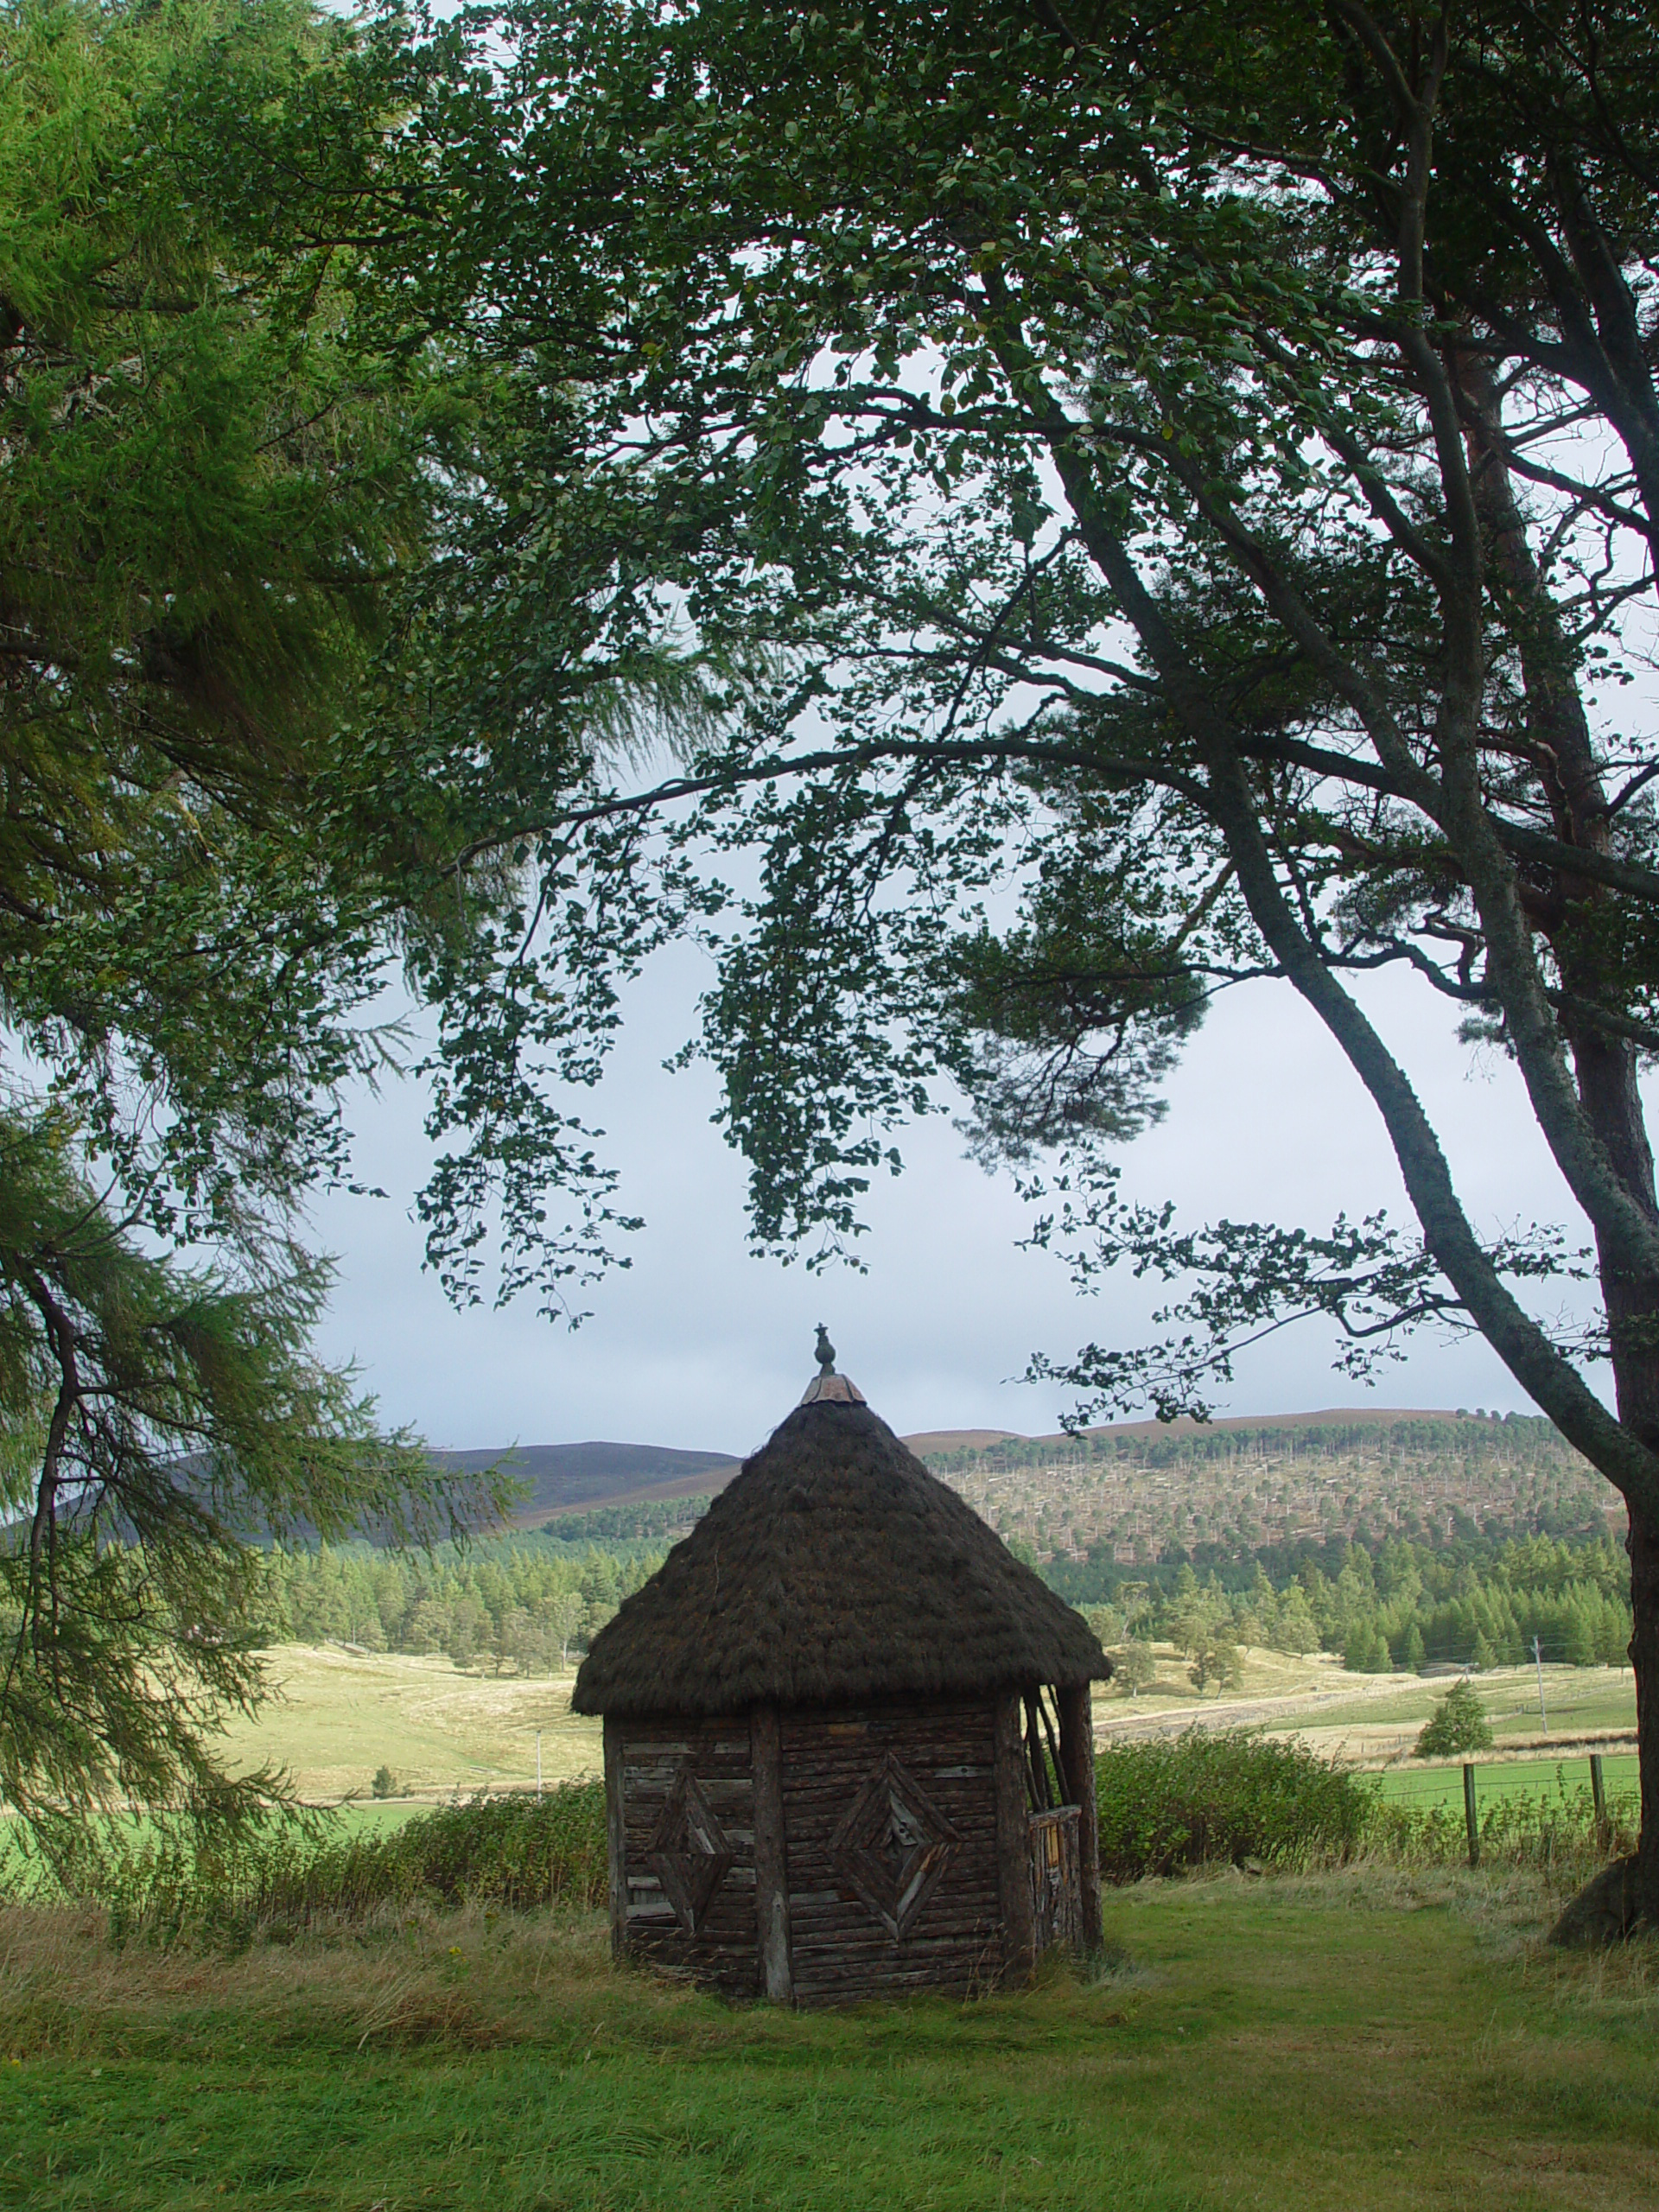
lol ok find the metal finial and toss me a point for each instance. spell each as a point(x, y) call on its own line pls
point(826, 1352)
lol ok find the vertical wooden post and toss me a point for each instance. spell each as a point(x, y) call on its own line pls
point(1077, 1757)
point(1470, 1820)
point(1012, 1840)
point(771, 1855)
point(1599, 1797)
point(616, 1835)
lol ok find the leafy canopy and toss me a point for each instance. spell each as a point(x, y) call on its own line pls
point(212, 480)
point(1148, 490)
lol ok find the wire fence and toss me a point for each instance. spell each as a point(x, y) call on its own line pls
point(1498, 1778)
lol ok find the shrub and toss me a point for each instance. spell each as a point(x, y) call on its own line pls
point(1458, 1723)
point(384, 1783)
point(1204, 1796)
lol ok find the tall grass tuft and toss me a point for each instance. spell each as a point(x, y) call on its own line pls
point(1168, 1805)
point(517, 1853)
point(1205, 1798)
point(1554, 1832)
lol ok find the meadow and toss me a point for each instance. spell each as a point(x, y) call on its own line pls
point(340, 1715)
point(1359, 2041)
point(1501, 1780)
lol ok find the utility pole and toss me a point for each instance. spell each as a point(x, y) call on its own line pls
point(1537, 1661)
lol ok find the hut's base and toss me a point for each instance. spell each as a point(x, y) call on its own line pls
point(822, 1856)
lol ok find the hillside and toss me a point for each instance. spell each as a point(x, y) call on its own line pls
point(1142, 1493)
point(573, 1478)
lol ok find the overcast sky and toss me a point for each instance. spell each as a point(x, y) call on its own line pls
point(700, 1345)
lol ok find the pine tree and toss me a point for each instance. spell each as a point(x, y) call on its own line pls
point(1458, 1723)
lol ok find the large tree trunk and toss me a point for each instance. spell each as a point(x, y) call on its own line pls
point(1606, 1072)
point(1643, 1542)
point(1604, 1066)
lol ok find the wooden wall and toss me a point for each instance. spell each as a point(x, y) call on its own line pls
point(646, 1757)
point(840, 1951)
point(1055, 1879)
point(839, 1948)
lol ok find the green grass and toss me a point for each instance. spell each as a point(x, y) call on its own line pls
point(377, 1815)
point(1508, 1778)
point(1357, 2042)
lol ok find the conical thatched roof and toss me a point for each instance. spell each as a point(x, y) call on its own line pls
point(834, 1568)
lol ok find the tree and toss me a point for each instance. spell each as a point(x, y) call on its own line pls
point(1152, 475)
point(204, 483)
point(564, 1618)
point(211, 478)
point(1215, 1659)
point(428, 1629)
point(1458, 1723)
point(172, 1415)
point(514, 1639)
point(1133, 1666)
point(1297, 1630)
point(467, 1621)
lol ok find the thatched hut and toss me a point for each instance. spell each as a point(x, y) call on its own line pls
point(848, 1747)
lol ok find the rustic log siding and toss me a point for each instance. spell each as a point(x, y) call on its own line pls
point(723, 1953)
point(1077, 1757)
point(1055, 1879)
point(839, 1952)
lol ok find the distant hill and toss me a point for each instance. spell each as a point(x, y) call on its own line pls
point(981, 1439)
point(1137, 1492)
point(961, 1440)
point(1140, 1493)
point(576, 1478)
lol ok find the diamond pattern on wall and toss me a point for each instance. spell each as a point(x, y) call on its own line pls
point(892, 1847)
point(690, 1853)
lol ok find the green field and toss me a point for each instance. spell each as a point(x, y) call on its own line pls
point(1361, 2042)
point(338, 1715)
point(1421, 1786)
point(1575, 1699)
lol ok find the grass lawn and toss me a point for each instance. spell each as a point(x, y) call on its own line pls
point(1359, 2041)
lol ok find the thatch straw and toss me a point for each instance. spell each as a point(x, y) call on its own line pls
point(832, 1570)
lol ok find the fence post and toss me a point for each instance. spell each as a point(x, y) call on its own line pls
point(1470, 1817)
point(1598, 1793)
